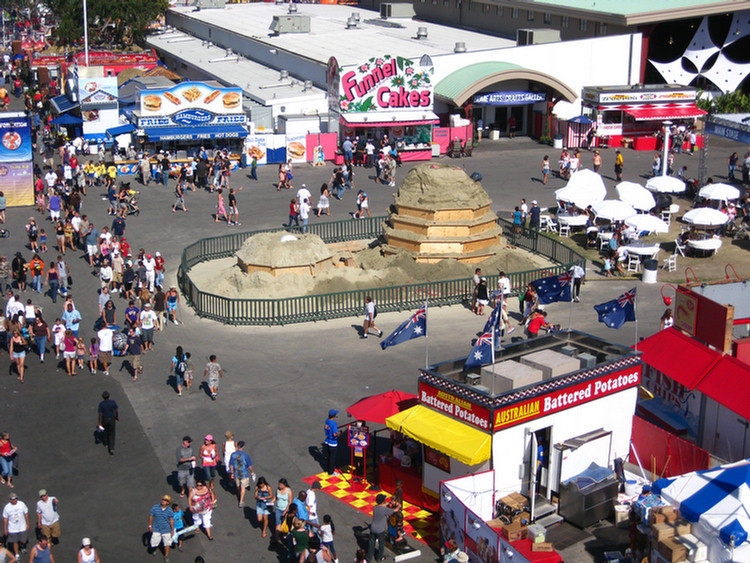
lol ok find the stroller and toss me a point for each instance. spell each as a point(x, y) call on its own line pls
point(132, 203)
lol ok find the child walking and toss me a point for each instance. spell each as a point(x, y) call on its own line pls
point(93, 354)
point(80, 352)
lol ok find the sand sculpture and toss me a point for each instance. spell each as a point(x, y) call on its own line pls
point(284, 253)
point(441, 213)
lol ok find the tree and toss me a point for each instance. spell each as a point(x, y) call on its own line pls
point(111, 22)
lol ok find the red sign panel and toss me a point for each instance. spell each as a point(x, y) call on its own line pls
point(704, 318)
point(567, 397)
point(455, 406)
point(438, 459)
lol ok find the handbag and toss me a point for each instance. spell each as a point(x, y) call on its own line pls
point(70, 280)
point(289, 176)
point(284, 528)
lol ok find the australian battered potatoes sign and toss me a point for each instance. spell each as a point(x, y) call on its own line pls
point(385, 83)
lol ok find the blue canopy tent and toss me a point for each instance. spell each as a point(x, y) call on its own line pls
point(67, 119)
point(717, 502)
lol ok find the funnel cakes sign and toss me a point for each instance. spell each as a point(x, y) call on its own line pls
point(385, 83)
point(191, 104)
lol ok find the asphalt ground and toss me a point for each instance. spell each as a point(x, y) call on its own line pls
point(279, 382)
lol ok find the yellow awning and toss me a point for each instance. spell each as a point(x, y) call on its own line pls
point(456, 439)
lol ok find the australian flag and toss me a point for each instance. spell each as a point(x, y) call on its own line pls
point(493, 323)
point(617, 312)
point(414, 327)
point(482, 353)
point(554, 288)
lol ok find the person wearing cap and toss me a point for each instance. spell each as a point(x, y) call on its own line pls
point(449, 550)
point(462, 557)
point(209, 455)
point(303, 193)
point(332, 432)
point(42, 551)
point(240, 470)
point(87, 554)
point(161, 525)
point(378, 528)
point(16, 523)
point(482, 296)
point(147, 320)
point(150, 264)
point(535, 215)
point(47, 517)
point(108, 417)
point(159, 268)
point(619, 163)
point(185, 463)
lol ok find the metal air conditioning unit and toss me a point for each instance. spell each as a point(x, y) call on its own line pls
point(536, 36)
point(290, 23)
point(396, 10)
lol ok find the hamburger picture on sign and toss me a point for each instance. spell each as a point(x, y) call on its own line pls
point(296, 148)
point(192, 103)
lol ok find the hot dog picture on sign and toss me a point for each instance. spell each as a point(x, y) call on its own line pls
point(386, 83)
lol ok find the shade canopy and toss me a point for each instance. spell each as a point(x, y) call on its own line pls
point(643, 222)
point(67, 119)
point(584, 188)
point(636, 195)
point(613, 210)
point(705, 217)
point(666, 184)
point(719, 192)
point(456, 439)
point(376, 408)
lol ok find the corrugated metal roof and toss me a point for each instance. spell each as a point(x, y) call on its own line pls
point(456, 82)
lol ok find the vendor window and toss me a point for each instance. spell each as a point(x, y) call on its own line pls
point(530, 15)
point(564, 21)
point(548, 18)
point(583, 25)
point(612, 116)
point(514, 13)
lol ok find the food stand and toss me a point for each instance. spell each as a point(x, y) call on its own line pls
point(516, 416)
point(387, 96)
point(634, 116)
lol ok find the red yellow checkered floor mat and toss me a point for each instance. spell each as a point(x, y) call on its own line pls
point(420, 524)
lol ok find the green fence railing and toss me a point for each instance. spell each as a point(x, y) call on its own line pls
point(243, 311)
point(540, 243)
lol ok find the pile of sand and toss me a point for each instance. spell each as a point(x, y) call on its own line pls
point(440, 186)
point(224, 277)
point(279, 250)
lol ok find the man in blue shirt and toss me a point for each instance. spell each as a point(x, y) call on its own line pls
point(161, 525)
point(72, 319)
point(92, 243)
point(331, 429)
point(302, 512)
point(348, 148)
point(240, 469)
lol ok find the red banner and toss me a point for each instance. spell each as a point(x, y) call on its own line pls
point(455, 406)
point(567, 397)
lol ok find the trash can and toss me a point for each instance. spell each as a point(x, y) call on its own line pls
point(650, 267)
point(558, 142)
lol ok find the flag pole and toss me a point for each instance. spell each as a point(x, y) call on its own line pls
point(426, 337)
point(635, 314)
point(494, 334)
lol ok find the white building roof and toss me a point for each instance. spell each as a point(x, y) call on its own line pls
point(261, 84)
point(329, 35)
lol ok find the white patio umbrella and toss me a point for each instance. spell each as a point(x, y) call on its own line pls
point(666, 185)
point(644, 222)
point(584, 188)
point(705, 217)
point(636, 195)
point(613, 210)
point(719, 192)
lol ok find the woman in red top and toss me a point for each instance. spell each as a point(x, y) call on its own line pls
point(7, 451)
point(293, 213)
point(209, 455)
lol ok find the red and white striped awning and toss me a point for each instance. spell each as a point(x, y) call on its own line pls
point(657, 112)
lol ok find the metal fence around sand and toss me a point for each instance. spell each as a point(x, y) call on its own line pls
point(244, 311)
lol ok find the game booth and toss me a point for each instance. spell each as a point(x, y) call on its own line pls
point(633, 116)
point(388, 96)
point(531, 423)
point(16, 166)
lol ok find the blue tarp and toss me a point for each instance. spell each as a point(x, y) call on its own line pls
point(194, 133)
point(61, 104)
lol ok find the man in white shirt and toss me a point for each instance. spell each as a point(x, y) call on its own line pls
point(150, 264)
point(370, 152)
point(47, 517)
point(311, 502)
point(303, 194)
point(304, 214)
point(16, 523)
point(105, 336)
point(51, 178)
point(148, 323)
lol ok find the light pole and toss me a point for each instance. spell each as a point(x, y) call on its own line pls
point(85, 34)
point(665, 159)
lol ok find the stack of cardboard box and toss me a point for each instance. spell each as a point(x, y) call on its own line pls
point(671, 539)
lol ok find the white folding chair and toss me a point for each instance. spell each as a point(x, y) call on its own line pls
point(679, 247)
point(564, 230)
point(666, 216)
point(670, 264)
point(634, 263)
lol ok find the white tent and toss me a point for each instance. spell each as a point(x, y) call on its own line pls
point(717, 502)
point(636, 195)
point(584, 188)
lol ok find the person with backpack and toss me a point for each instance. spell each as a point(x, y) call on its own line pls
point(370, 313)
point(179, 368)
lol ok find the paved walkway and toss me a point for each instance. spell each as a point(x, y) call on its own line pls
point(279, 382)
